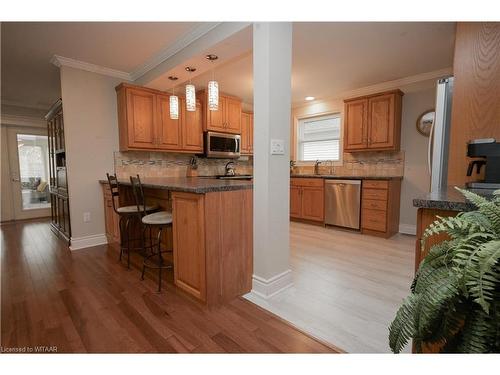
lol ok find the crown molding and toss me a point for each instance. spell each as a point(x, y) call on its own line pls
point(171, 50)
point(14, 120)
point(385, 86)
point(88, 67)
point(166, 53)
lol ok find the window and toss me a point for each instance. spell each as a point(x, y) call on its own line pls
point(319, 138)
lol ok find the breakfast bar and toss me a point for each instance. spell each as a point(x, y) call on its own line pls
point(211, 235)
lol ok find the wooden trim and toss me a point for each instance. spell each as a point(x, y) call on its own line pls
point(396, 91)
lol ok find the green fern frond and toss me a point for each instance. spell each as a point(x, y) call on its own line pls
point(455, 295)
point(477, 336)
point(402, 328)
point(482, 277)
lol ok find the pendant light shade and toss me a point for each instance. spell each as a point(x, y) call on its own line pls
point(213, 88)
point(174, 107)
point(213, 96)
point(190, 98)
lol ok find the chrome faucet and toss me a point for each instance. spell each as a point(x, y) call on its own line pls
point(230, 169)
point(316, 167)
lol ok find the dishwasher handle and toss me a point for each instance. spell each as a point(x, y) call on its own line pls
point(343, 182)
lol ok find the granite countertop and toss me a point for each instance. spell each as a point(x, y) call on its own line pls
point(448, 199)
point(199, 185)
point(333, 177)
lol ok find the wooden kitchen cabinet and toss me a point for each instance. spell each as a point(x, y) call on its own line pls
point(213, 244)
point(137, 114)
point(295, 202)
point(355, 125)
point(373, 122)
point(226, 119)
point(307, 199)
point(192, 128)
point(189, 243)
point(145, 124)
point(380, 207)
point(169, 131)
point(246, 133)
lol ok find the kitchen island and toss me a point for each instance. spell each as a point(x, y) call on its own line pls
point(211, 236)
point(443, 203)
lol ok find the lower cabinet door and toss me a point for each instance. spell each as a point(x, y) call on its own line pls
point(374, 220)
point(189, 243)
point(295, 202)
point(313, 204)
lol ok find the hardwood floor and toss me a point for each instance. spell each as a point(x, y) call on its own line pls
point(85, 301)
point(347, 287)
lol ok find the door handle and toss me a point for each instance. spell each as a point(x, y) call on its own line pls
point(14, 179)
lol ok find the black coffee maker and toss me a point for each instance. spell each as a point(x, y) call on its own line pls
point(489, 150)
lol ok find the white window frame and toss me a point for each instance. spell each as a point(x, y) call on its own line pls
point(300, 120)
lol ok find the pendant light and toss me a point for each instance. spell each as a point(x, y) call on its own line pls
point(174, 102)
point(213, 88)
point(190, 93)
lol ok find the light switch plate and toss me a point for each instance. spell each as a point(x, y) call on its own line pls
point(277, 147)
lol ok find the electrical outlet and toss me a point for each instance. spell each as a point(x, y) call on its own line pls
point(86, 217)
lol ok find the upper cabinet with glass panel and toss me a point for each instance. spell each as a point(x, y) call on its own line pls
point(319, 138)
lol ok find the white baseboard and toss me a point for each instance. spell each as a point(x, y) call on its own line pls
point(266, 288)
point(78, 243)
point(408, 229)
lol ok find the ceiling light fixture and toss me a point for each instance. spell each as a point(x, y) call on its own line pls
point(174, 101)
point(190, 92)
point(213, 87)
point(309, 98)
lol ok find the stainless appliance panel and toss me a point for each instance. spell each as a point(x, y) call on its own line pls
point(222, 145)
point(343, 203)
point(437, 158)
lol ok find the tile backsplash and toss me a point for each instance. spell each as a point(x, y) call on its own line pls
point(161, 164)
point(376, 163)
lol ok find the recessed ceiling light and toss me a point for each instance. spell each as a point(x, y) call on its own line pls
point(309, 98)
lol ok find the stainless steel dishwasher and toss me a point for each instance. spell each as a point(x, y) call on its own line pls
point(342, 203)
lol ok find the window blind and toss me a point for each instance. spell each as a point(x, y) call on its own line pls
point(319, 138)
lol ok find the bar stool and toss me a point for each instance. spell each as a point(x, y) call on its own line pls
point(126, 213)
point(159, 220)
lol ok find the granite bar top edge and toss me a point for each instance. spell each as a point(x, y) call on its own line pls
point(447, 199)
point(180, 184)
point(443, 205)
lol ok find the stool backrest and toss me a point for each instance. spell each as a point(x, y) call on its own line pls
point(113, 187)
point(138, 194)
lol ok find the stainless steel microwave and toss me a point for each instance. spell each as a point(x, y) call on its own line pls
point(222, 145)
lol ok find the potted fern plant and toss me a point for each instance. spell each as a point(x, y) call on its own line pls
point(454, 304)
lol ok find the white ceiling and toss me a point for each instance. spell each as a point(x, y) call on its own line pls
point(328, 58)
point(29, 78)
point(332, 58)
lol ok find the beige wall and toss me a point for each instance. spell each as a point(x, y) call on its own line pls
point(418, 98)
point(91, 136)
point(416, 180)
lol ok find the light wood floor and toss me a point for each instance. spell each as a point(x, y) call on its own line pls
point(347, 286)
point(85, 301)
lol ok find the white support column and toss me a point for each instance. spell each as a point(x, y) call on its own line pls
point(272, 68)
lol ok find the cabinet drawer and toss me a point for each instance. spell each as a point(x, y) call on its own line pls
point(374, 204)
point(374, 194)
point(373, 220)
point(376, 184)
point(312, 182)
